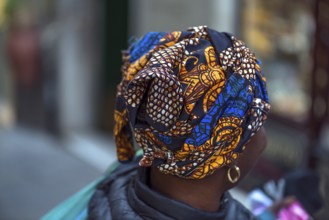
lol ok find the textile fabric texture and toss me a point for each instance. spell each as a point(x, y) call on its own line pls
point(190, 99)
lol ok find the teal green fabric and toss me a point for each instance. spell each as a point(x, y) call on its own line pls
point(266, 215)
point(75, 207)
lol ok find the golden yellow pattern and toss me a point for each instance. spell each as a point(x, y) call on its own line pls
point(170, 39)
point(228, 130)
point(135, 67)
point(201, 78)
point(123, 142)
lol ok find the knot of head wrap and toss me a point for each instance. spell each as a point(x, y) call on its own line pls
point(190, 99)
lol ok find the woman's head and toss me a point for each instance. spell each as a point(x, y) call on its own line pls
point(191, 99)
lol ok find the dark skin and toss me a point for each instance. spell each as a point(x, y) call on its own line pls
point(206, 193)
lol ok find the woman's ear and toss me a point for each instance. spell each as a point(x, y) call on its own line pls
point(252, 152)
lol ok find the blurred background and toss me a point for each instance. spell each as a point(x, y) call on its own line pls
point(60, 64)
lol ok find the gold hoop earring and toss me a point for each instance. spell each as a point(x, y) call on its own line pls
point(229, 175)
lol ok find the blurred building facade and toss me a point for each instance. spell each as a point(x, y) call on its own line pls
point(66, 39)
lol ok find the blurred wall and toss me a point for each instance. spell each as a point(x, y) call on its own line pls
point(79, 62)
point(157, 15)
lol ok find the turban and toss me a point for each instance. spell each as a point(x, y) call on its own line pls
point(190, 99)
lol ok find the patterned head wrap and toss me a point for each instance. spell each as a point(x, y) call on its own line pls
point(190, 99)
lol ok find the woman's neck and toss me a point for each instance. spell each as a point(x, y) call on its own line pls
point(204, 194)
